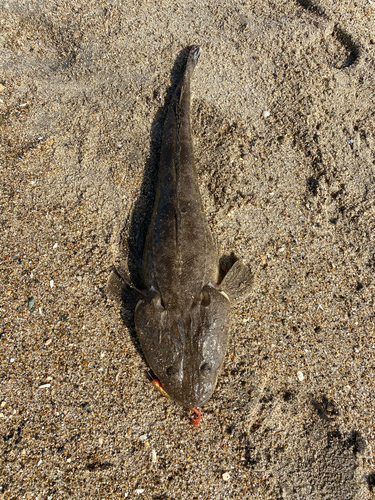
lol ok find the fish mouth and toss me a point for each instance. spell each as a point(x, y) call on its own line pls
point(196, 398)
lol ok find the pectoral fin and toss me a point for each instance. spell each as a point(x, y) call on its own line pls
point(116, 285)
point(238, 281)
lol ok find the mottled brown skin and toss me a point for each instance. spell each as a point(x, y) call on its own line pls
point(183, 321)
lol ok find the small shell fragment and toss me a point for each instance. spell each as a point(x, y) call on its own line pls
point(226, 476)
point(300, 376)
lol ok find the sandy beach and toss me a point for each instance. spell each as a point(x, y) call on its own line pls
point(283, 123)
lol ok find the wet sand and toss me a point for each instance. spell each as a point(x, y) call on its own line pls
point(284, 137)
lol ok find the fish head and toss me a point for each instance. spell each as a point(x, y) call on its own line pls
point(185, 348)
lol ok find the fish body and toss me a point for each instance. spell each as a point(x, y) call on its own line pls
point(183, 320)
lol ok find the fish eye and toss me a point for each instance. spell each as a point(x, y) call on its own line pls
point(205, 368)
point(170, 371)
point(206, 299)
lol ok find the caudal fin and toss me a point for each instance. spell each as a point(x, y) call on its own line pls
point(193, 56)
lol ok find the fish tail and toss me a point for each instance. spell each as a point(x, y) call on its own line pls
point(193, 56)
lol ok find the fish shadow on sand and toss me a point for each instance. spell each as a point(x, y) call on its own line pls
point(143, 208)
point(125, 281)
